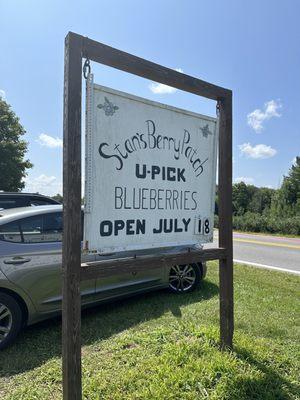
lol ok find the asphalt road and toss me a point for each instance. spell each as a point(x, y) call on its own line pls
point(266, 251)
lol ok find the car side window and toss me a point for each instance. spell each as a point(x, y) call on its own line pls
point(53, 227)
point(38, 202)
point(42, 228)
point(32, 229)
point(11, 232)
point(7, 203)
point(10, 202)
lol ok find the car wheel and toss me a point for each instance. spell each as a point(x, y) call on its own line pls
point(184, 278)
point(10, 319)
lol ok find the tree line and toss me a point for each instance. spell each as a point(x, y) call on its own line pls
point(261, 209)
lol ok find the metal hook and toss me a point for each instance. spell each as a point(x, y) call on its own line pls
point(86, 68)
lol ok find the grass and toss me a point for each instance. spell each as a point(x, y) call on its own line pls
point(165, 346)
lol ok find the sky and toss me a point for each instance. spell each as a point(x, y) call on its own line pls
point(251, 47)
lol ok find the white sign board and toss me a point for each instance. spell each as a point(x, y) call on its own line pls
point(150, 173)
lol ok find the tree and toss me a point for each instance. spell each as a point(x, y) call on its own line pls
point(291, 185)
point(241, 197)
point(12, 150)
point(261, 200)
point(287, 199)
point(58, 197)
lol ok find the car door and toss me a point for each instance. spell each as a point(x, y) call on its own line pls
point(33, 260)
point(129, 282)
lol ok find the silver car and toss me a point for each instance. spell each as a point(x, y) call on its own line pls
point(30, 271)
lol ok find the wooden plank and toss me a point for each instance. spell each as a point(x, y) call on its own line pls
point(225, 222)
point(121, 60)
point(106, 268)
point(71, 304)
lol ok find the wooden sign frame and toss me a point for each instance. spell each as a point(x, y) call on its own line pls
point(78, 48)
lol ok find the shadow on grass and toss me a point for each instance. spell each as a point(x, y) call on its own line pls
point(268, 385)
point(42, 342)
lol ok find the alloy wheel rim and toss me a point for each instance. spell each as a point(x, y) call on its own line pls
point(5, 321)
point(182, 277)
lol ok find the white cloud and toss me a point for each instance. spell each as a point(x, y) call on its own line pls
point(246, 179)
point(160, 88)
point(43, 184)
point(257, 117)
point(49, 141)
point(258, 151)
point(2, 94)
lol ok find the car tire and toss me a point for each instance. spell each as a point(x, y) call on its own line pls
point(10, 319)
point(185, 278)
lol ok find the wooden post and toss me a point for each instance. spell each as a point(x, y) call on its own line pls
point(225, 221)
point(71, 312)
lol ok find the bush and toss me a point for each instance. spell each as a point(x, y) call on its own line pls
point(253, 222)
point(259, 223)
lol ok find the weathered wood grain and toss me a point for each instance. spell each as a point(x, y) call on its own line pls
point(71, 304)
point(225, 222)
point(101, 269)
point(121, 60)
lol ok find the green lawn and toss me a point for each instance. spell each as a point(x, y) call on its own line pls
point(165, 346)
